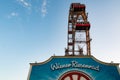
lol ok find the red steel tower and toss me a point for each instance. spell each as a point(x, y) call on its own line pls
point(78, 31)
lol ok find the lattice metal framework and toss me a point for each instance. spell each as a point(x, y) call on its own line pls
point(78, 31)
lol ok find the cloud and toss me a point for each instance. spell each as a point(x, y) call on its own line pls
point(31, 7)
point(44, 8)
point(13, 14)
point(24, 3)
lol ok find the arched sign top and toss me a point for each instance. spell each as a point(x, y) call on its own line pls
point(82, 57)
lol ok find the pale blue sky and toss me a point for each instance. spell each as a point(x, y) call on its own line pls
point(34, 30)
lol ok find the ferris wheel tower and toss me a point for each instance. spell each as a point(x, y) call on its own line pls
point(78, 42)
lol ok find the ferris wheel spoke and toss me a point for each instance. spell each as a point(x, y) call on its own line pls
point(79, 77)
point(71, 77)
point(75, 76)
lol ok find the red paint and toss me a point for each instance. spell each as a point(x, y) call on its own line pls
point(78, 74)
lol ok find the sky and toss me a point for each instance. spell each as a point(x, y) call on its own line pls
point(35, 30)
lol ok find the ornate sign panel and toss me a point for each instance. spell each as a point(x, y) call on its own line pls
point(73, 68)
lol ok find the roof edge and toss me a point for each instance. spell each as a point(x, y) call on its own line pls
point(105, 63)
point(84, 56)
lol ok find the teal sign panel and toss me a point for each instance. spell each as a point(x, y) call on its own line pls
point(73, 68)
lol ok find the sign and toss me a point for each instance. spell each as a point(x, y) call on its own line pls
point(73, 68)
